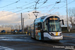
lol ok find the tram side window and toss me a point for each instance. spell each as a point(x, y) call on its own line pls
point(36, 26)
point(45, 27)
point(39, 26)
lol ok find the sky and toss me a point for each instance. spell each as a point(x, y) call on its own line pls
point(10, 10)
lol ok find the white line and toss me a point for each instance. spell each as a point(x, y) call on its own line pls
point(5, 48)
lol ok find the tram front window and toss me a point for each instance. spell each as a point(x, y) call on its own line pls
point(54, 26)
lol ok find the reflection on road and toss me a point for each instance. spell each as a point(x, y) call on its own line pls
point(5, 48)
point(21, 37)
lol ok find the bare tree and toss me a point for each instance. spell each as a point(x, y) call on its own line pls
point(72, 16)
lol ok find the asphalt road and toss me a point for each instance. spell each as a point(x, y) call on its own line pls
point(24, 42)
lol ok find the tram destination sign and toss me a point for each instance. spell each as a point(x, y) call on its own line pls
point(53, 18)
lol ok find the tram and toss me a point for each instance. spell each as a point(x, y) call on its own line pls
point(47, 28)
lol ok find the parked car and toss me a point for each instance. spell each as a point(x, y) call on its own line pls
point(3, 31)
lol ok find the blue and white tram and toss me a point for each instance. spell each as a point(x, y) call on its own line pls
point(47, 28)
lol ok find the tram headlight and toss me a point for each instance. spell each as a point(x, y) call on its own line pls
point(60, 33)
point(52, 34)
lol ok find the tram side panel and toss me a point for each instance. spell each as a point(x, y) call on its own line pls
point(32, 31)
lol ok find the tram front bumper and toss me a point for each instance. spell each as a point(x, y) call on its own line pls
point(56, 37)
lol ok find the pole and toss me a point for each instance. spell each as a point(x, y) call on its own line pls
point(23, 24)
point(36, 17)
point(67, 14)
point(21, 20)
point(35, 10)
point(19, 27)
point(36, 7)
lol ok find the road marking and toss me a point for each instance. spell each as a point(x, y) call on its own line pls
point(5, 48)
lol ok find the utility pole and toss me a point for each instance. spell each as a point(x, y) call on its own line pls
point(21, 20)
point(19, 27)
point(35, 13)
point(67, 15)
point(22, 23)
point(36, 5)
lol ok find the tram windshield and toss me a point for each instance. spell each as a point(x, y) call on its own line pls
point(54, 26)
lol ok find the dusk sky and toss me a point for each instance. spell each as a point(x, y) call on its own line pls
point(10, 9)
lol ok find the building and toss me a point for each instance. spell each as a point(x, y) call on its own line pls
point(73, 26)
point(64, 27)
point(7, 29)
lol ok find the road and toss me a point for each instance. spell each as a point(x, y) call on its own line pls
point(24, 42)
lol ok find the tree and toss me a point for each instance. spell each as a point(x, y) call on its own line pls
point(72, 16)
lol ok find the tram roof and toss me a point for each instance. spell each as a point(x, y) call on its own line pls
point(43, 18)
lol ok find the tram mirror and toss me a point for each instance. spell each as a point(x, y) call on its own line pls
point(59, 20)
point(63, 22)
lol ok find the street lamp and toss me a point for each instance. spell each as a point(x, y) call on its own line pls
point(35, 13)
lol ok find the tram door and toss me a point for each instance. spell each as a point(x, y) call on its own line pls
point(38, 28)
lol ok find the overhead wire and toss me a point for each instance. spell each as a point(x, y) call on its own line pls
point(43, 3)
point(16, 11)
point(37, 2)
point(64, 5)
point(49, 5)
point(10, 4)
point(53, 6)
point(21, 6)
